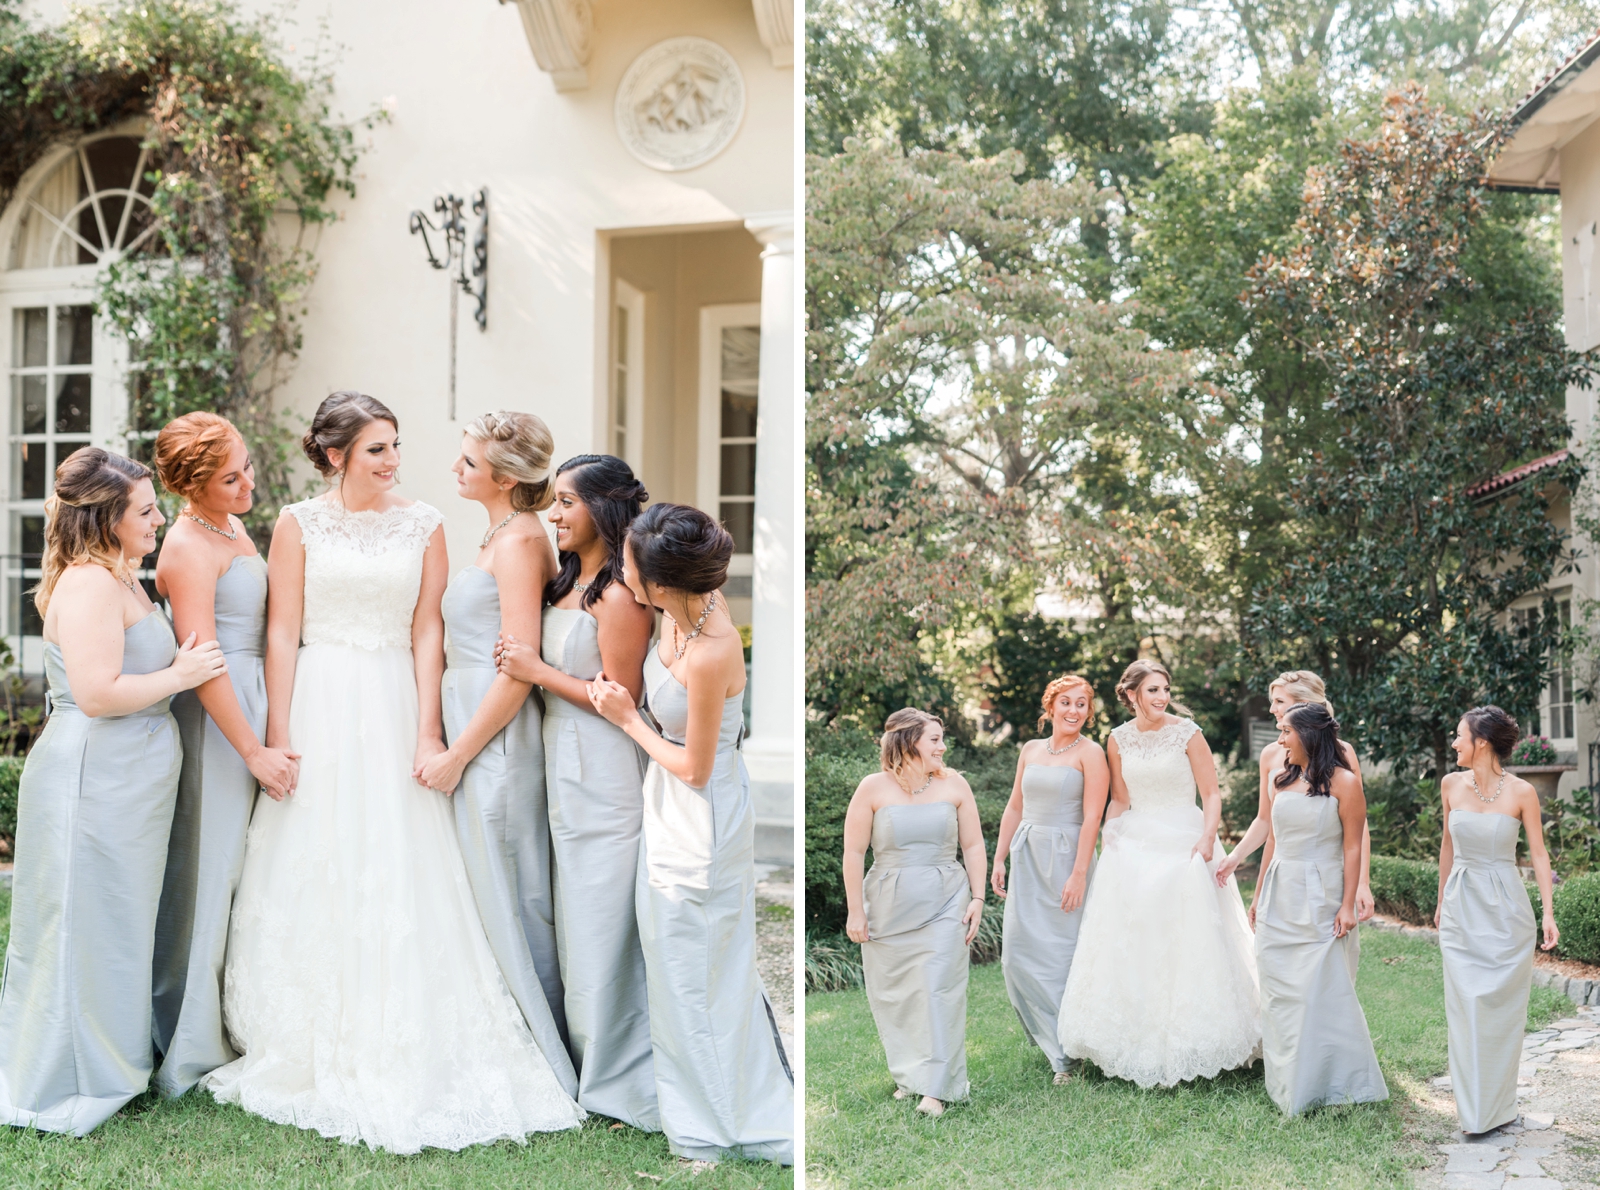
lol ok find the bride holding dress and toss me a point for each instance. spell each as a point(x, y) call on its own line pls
point(359, 985)
point(1163, 985)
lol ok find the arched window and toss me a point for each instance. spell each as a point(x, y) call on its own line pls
point(93, 207)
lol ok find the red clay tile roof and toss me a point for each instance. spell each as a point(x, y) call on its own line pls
point(1517, 474)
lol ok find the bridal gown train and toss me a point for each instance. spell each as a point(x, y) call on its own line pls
point(1163, 984)
point(359, 986)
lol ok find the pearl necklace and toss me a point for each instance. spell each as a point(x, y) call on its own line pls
point(230, 534)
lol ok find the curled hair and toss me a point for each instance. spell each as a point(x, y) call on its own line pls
point(612, 497)
point(337, 424)
point(517, 446)
point(1496, 727)
point(1059, 687)
point(92, 491)
point(191, 449)
point(1319, 736)
point(901, 732)
point(680, 548)
point(1133, 677)
point(1301, 685)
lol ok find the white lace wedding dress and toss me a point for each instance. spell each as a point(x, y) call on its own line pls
point(1163, 984)
point(359, 986)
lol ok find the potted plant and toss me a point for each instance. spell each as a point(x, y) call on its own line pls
point(1536, 761)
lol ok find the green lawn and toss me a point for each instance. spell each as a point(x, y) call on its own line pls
point(196, 1142)
point(1019, 1130)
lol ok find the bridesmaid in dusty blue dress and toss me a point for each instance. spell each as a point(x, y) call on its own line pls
point(594, 776)
point(1048, 832)
point(494, 762)
point(722, 1079)
point(1486, 926)
point(94, 810)
point(216, 584)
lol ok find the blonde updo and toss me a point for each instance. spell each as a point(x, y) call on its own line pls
point(518, 446)
point(1301, 685)
point(1055, 690)
point(901, 731)
point(1133, 677)
point(191, 449)
point(92, 490)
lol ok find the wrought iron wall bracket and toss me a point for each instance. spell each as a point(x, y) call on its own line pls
point(449, 229)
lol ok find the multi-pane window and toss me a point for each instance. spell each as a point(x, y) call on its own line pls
point(52, 354)
point(1555, 717)
point(619, 384)
point(736, 441)
point(93, 206)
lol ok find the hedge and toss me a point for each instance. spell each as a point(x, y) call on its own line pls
point(1406, 888)
point(10, 780)
point(833, 962)
point(1577, 906)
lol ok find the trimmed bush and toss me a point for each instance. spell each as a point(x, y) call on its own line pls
point(1405, 888)
point(836, 760)
point(1241, 798)
point(1577, 906)
point(10, 780)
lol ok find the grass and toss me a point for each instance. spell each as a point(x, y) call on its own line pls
point(195, 1142)
point(1018, 1130)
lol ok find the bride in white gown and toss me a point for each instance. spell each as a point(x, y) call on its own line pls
point(359, 986)
point(1163, 985)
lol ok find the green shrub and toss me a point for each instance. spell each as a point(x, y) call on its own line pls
point(1577, 906)
point(1403, 815)
point(10, 780)
point(836, 760)
point(1241, 798)
point(833, 962)
point(1534, 749)
point(1405, 888)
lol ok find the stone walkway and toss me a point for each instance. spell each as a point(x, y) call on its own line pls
point(775, 944)
point(1554, 1144)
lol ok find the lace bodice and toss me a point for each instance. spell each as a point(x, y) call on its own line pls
point(363, 572)
point(1155, 765)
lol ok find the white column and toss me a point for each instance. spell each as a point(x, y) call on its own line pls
point(769, 753)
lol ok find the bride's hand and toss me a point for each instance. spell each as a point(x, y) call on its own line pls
point(517, 659)
point(427, 748)
point(612, 700)
point(972, 917)
point(1203, 848)
point(443, 772)
point(277, 770)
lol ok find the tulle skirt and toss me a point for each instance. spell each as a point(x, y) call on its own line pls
point(359, 986)
point(1163, 985)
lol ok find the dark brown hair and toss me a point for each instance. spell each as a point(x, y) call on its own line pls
point(92, 490)
point(681, 548)
point(1492, 724)
point(1133, 677)
point(338, 423)
point(191, 449)
point(1319, 736)
point(613, 498)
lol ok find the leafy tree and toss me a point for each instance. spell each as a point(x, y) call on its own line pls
point(1396, 591)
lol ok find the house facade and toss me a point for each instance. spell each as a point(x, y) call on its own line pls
point(636, 162)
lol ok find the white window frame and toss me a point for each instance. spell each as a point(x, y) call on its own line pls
point(708, 485)
point(628, 396)
point(1560, 681)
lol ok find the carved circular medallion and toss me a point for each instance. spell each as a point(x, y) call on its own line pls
point(680, 103)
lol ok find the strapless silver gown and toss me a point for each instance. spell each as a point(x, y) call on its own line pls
point(1039, 939)
point(93, 816)
point(595, 777)
point(916, 960)
point(500, 820)
point(1486, 940)
point(722, 1081)
point(216, 793)
point(1314, 1040)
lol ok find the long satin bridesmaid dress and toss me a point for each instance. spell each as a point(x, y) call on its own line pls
point(594, 777)
point(916, 959)
point(216, 792)
point(1314, 1040)
point(93, 816)
point(1039, 939)
point(500, 819)
point(1486, 939)
point(722, 1079)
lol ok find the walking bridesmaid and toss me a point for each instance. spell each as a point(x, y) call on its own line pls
point(918, 909)
point(95, 808)
point(494, 761)
point(1486, 926)
point(722, 1079)
point(1314, 1040)
point(594, 776)
point(216, 583)
point(1048, 831)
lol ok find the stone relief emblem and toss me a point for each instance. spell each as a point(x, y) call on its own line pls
point(680, 103)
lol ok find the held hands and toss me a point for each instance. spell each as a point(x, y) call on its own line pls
point(196, 665)
point(612, 700)
point(1365, 905)
point(427, 748)
point(1343, 922)
point(442, 772)
point(997, 878)
point(855, 927)
point(277, 769)
point(517, 659)
point(972, 917)
point(1072, 892)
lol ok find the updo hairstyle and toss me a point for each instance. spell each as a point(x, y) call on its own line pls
point(680, 548)
point(1301, 685)
point(1492, 724)
point(901, 731)
point(1055, 690)
point(612, 497)
point(1133, 677)
point(338, 423)
point(517, 446)
point(191, 449)
point(91, 495)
